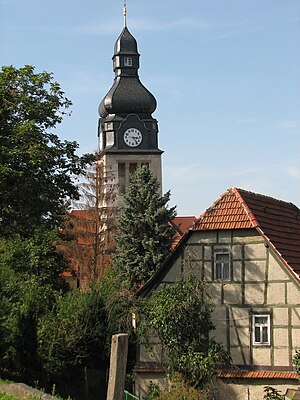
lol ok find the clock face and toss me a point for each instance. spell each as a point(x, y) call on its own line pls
point(133, 137)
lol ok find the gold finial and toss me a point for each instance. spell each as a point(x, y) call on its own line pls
point(124, 12)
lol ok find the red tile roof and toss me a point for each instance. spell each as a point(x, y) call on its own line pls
point(147, 367)
point(182, 224)
point(276, 220)
point(238, 373)
point(84, 214)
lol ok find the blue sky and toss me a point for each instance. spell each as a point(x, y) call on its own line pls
point(225, 73)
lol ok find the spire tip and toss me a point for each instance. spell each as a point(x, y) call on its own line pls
point(125, 13)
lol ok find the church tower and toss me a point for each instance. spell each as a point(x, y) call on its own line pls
point(128, 134)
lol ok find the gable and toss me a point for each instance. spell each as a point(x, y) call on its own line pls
point(277, 221)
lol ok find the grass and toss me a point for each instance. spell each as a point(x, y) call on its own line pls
point(8, 391)
point(5, 396)
point(11, 391)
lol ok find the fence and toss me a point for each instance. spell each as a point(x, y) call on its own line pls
point(129, 396)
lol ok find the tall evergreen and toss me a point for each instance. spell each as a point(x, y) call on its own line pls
point(144, 233)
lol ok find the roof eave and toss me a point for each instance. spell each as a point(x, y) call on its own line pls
point(271, 245)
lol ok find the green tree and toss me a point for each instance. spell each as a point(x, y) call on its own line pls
point(180, 316)
point(144, 233)
point(29, 283)
point(34, 256)
point(73, 334)
point(36, 167)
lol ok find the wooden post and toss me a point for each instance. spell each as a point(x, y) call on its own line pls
point(117, 368)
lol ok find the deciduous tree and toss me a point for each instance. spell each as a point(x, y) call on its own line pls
point(36, 167)
point(91, 225)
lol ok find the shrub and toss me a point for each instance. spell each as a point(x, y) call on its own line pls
point(72, 335)
point(296, 361)
point(178, 391)
point(180, 316)
point(272, 394)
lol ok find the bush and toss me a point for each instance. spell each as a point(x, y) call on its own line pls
point(272, 394)
point(178, 391)
point(180, 316)
point(296, 362)
point(73, 334)
point(29, 283)
point(23, 300)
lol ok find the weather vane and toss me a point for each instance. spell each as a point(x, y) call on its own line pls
point(125, 12)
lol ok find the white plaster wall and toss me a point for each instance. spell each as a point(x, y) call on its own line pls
point(280, 316)
point(276, 293)
point(248, 292)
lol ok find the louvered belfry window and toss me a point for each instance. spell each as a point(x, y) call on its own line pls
point(127, 61)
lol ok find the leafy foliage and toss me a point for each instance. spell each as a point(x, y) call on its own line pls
point(24, 297)
point(144, 233)
point(272, 394)
point(119, 303)
point(36, 167)
point(73, 334)
point(178, 391)
point(34, 256)
point(153, 392)
point(180, 316)
point(43, 328)
point(296, 361)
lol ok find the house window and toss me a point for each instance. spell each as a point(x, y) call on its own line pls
point(261, 329)
point(127, 61)
point(222, 265)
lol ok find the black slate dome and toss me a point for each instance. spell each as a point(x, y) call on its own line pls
point(126, 43)
point(128, 94)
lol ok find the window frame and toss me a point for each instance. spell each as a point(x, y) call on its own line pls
point(255, 325)
point(128, 62)
point(216, 253)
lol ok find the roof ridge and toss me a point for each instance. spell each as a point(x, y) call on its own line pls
point(209, 209)
point(266, 197)
point(245, 206)
point(185, 216)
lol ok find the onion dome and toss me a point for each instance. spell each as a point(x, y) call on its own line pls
point(126, 43)
point(128, 94)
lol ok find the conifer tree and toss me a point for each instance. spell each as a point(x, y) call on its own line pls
point(144, 233)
